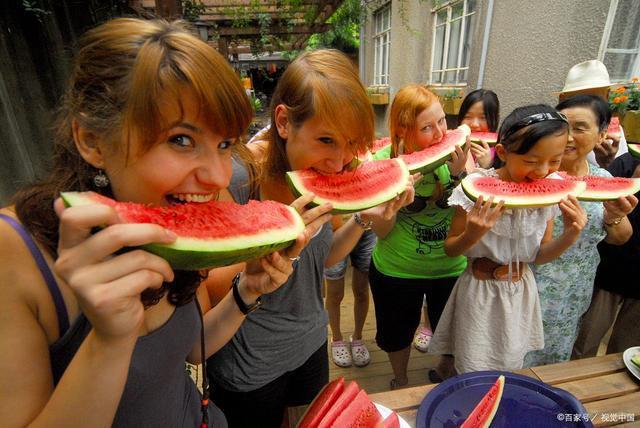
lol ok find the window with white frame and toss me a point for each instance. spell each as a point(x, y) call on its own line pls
point(620, 45)
point(453, 25)
point(381, 45)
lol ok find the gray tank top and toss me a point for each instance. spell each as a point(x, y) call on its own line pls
point(288, 328)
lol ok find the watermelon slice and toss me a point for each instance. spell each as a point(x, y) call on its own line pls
point(350, 392)
point(614, 129)
point(360, 413)
point(634, 149)
point(211, 234)
point(605, 188)
point(430, 158)
point(324, 401)
point(369, 184)
point(482, 415)
point(380, 144)
point(490, 138)
point(538, 193)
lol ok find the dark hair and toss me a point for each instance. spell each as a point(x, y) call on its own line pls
point(596, 104)
point(490, 105)
point(522, 140)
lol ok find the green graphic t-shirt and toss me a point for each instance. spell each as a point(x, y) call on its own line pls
point(415, 246)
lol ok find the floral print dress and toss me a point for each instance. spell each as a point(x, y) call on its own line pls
point(565, 285)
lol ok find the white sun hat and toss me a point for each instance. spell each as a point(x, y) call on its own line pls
point(587, 75)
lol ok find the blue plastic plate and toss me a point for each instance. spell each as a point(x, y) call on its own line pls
point(525, 402)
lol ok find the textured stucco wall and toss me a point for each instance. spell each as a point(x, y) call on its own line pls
point(531, 48)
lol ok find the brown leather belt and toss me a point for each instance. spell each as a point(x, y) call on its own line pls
point(484, 269)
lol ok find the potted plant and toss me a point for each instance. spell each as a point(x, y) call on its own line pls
point(625, 103)
point(378, 95)
point(451, 101)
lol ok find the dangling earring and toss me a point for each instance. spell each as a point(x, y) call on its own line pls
point(100, 180)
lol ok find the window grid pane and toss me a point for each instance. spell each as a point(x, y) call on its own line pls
point(454, 27)
point(382, 41)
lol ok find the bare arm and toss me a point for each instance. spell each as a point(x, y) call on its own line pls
point(616, 223)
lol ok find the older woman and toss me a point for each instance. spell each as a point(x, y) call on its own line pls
point(566, 284)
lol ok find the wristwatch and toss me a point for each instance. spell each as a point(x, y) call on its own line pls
point(244, 308)
point(366, 225)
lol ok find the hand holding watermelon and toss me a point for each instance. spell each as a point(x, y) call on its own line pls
point(482, 153)
point(574, 217)
point(459, 158)
point(606, 152)
point(389, 209)
point(108, 285)
point(483, 217)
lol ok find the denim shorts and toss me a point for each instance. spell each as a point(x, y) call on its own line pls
point(360, 257)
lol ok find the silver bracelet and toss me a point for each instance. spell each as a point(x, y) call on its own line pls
point(365, 225)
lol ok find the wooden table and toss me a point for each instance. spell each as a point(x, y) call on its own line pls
point(610, 394)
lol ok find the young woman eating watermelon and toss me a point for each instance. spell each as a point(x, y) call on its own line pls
point(91, 336)
point(480, 110)
point(492, 318)
point(408, 262)
point(566, 284)
point(320, 117)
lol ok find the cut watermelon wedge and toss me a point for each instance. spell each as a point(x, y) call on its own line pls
point(430, 158)
point(490, 138)
point(391, 421)
point(348, 395)
point(482, 415)
point(325, 399)
point(211, 234)
point(380, 144)
point(368, 185)
point(538, 193)
point(360, 413)
point(634, 149)
point(605, 188)
point(614, 130)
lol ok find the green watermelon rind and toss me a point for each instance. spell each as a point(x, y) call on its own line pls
point(393, 190)
point(634, 149)
point(187, 253)
point(636, 360)
point(476, 139)
point(524, 201)
point(591, 195)
point(427, 165)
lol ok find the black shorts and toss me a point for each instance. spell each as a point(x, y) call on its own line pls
point(265, 406)
point(398, 304)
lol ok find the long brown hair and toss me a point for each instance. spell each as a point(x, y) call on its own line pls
point(408, 103)
point(325, 83)
point(120, 71)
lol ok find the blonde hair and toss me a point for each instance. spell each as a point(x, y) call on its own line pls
point(322, 83)
point(408, 103)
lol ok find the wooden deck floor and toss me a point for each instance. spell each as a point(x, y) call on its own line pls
point(375, 377)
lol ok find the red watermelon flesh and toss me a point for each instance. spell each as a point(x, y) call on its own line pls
point(634, 149)
point(435, 155)
point(614, 127)
point(390, 421)
point(360, 413)
point(605, 188)
point(348, 394)
point(324, 401)
point(368, 185)
point(482, 415)
point(488, 137)
point(538, 193)
point(211, 234)
point(380, 143)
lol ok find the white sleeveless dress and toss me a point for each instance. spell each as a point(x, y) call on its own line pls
point(492, 324)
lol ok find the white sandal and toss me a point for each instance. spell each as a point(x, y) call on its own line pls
point(340, 353)
point(422, 339)
point(359, 352)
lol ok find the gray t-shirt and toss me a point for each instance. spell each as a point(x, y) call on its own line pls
point(288, 328)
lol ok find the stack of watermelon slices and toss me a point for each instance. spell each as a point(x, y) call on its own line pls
point(345, 406)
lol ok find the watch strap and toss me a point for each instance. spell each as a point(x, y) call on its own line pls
point(244, 308)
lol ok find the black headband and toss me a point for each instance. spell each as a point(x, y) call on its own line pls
point(534, 118)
